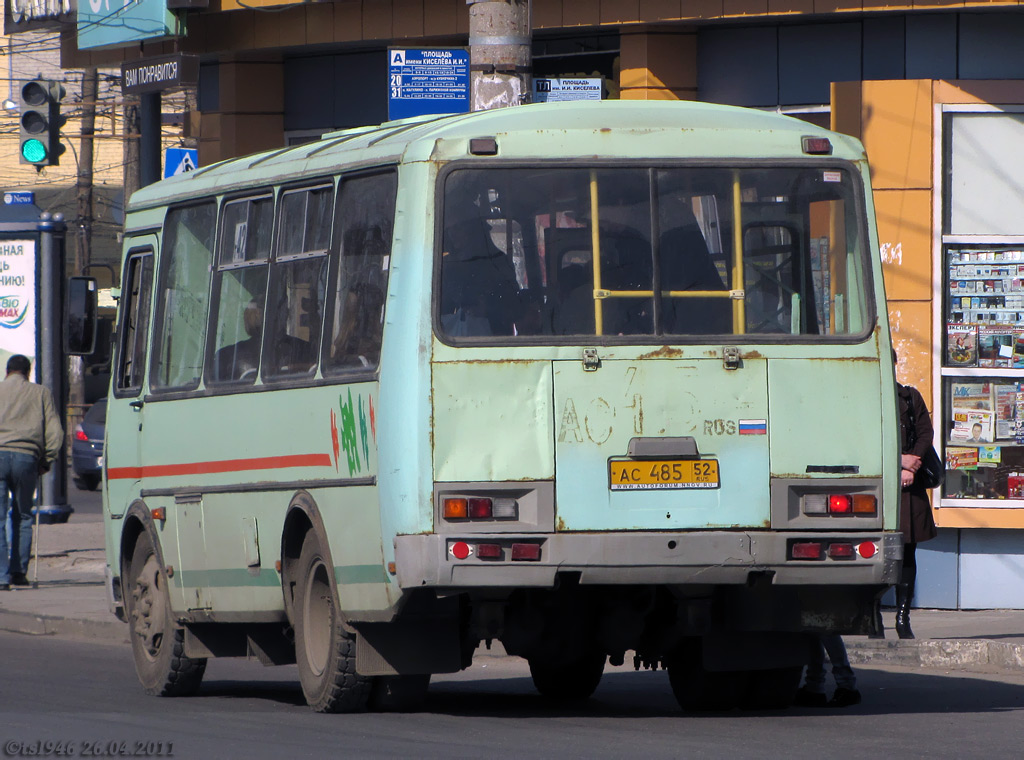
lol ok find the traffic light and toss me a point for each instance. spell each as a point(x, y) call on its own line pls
point(41, 122)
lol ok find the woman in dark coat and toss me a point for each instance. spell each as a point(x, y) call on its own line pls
point(916, 520)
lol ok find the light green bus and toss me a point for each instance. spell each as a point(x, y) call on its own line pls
point(593, 380)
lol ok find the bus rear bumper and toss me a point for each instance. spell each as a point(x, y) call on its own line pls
point(703, 558)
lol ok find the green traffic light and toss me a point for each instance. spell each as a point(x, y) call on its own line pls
point(33, 151)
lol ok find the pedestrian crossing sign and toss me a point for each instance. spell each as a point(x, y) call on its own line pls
point(179, 161)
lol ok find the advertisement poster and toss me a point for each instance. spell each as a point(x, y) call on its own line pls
point(17, 299)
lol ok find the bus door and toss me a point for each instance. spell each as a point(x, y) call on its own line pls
point(122, 450)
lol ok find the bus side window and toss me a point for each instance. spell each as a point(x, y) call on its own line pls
point(366, 214)
point(183, 299)
point(240, 289)
point(298, 279)
point(135, 322)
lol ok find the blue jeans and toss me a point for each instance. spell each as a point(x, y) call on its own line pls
point(841, 670)
point(19, 474)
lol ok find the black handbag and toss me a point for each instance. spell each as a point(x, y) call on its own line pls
point(932, 471)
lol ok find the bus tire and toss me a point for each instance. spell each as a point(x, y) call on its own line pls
point(568, 681)
point(399, 693)
point(324, 651)
point(697, 689)
point(158, 645)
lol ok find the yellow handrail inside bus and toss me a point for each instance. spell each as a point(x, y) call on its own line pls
point(595, 243)
point(739, 314)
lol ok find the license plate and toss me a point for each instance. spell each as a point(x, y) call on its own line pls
point(650, 474)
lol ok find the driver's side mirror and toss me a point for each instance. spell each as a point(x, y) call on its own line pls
point(80, 323)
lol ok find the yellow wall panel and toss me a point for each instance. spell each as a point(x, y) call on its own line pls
point(439, 16)
point(580, 12)
point(408, 18)
point(620, 11)
point(897, 133)
point(979, 91)
point(285, 29)
point(745, 7)
point(661, 10)
point(378, 19)
point(911, 325)
point(702, 9)
point(847, 108)
point(790, 6)
point(319, 23)
point(348, 21)
point(976, 517)
point(658, 66)
point(833, 6)
point(905, 240)
point(547, 14)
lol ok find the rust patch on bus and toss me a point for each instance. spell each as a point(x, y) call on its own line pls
point(665, 352)
point(560, 526)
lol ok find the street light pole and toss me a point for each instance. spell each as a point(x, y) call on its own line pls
point(53, 486)
point(499, 53)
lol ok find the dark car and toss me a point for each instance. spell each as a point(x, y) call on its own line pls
point(87, 447)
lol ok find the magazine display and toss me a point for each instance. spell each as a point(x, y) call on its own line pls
point(981, 416)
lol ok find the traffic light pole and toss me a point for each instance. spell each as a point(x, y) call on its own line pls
point(149, 147)
point(53, 486)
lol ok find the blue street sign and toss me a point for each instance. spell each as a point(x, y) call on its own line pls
point(427, 81)
point(180, 160)
point(19, 198)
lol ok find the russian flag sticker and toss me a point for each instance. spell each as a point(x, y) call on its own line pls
point(753, 427)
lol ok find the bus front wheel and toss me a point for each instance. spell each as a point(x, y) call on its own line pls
point(158, 645)
point(324, 651)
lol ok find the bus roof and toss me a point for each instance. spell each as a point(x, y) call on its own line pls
point(584, 129)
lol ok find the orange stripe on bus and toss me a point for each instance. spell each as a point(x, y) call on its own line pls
point(224, 465)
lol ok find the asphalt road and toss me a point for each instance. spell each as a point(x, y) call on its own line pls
point(86, 694)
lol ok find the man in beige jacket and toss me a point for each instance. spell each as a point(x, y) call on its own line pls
point(30, 439)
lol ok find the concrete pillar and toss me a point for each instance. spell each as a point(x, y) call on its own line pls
point(499, 53)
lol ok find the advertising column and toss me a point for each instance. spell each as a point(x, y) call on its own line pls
point(17, 300)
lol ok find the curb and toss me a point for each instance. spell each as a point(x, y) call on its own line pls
point(979, 655)
point(114, 632)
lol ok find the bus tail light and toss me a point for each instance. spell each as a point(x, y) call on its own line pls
point(840, 504)
point(526, 552)
point(817, 146)
point(506, 509)
point(806, 550)
point(865, 504)
point(840, 551)
point(867, 549)
point(489, 551)
point(456, 509)
point(480, 509)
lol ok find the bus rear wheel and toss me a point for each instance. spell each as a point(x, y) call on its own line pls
point(698, 689)
point(324, 651)
point(568, 681)
point(158, 645)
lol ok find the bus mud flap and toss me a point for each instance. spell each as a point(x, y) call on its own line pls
point(419, 647)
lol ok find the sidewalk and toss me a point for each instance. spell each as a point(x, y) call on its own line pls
point(70, 600)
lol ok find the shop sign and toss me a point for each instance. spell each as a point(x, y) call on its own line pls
point(156, 74)
point(112, 23)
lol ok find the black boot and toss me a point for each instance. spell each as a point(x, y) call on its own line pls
point(904, 594)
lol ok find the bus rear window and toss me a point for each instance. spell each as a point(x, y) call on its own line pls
point(551, 252)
